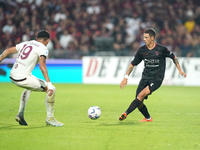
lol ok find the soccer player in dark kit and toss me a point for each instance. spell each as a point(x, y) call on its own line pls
point(154, 56)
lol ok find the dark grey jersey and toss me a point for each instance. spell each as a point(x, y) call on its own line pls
point(154, 61)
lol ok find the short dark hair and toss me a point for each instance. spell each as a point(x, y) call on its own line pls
point(151, 32)
point(43, 34)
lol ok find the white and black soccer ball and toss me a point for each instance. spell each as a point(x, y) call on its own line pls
point(94, 112)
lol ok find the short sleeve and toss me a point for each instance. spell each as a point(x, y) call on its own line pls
point(137, 59)
point(19, 46)
point(168, 53)
point(43, 51)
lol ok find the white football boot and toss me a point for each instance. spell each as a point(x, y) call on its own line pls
point(53, 122)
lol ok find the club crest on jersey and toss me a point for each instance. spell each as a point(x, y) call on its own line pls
point(157, 53)
point(16, 66)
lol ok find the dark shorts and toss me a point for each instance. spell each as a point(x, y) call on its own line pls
point(153, 84)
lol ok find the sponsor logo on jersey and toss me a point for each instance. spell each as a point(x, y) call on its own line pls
point(151, 62)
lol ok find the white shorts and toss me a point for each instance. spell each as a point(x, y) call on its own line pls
point(29, 82)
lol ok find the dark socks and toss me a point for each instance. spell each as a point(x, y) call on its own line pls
point(145, 112)
point(133, 106)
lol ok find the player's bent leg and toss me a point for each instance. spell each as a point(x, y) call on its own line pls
point(49, 101)
point(142, 108)
point(131, 108)
point(23, 101)
point(146, 91)
point(152, 86)
point(135, 104)
point(141, 104)
point(32, 83)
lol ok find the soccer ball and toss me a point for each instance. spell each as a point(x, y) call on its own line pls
point(94, 112)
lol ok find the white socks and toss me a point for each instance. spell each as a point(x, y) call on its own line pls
point(49, 101)
point(23, 101)
point(148, 118)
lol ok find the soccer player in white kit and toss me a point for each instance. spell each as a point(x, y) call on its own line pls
point(29, 54)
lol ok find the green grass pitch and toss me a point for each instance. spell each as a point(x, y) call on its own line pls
point(175, 111)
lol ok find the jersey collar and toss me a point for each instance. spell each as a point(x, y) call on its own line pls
point(152, 48)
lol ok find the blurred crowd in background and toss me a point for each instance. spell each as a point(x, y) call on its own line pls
point(102, 27)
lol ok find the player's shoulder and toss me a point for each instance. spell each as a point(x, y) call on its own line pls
point(21, 43)
point(37, 44)
point(160, 46)
point(142, 48)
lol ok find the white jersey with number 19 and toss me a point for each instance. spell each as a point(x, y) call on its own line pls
point(27, 58)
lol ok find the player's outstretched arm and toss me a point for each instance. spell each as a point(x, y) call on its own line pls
point(125, 80)
point(7, 52)
point(178, 67)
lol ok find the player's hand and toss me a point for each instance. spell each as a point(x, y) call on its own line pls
point(50, 92)
point(123, 83)
point(182, 73)
point(50, 88)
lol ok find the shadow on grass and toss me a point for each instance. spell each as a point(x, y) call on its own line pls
point(19, 127)
point(119, 124)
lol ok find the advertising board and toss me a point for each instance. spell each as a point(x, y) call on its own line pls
point(111, 70)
